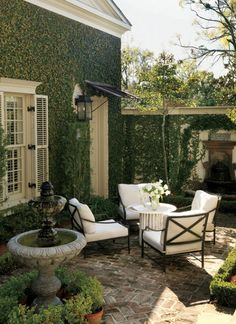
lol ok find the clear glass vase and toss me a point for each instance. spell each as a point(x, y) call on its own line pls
point(154, 203)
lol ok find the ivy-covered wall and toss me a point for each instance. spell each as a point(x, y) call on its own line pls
point(143, 153)
point(38, 45)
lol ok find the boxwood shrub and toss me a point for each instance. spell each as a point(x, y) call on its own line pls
point(7, 263)
point(221, 289)
point(85, 292)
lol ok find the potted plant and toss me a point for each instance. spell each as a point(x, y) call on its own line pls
point(78, 284)
point(81, 294)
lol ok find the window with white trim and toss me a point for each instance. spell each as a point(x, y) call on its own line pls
point(24, 118)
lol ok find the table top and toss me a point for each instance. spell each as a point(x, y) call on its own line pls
point(161, 208)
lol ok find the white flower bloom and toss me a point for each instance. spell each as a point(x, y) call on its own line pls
point(148, 187)
point(156, 190)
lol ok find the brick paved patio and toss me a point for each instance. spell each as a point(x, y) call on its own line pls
point(137, 290)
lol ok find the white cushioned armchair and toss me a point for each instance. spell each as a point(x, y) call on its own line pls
point(184, 232)
point(207, 202)
point(83, 220)
point(130, 195)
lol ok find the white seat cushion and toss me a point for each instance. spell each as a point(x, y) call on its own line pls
point(205, 201)
point(107, 231)
point(155, 239)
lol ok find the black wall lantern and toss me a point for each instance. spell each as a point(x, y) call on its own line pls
point(83, 103)
point(83, 108)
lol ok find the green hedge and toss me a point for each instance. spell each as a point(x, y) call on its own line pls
point(7, 263)
point(86, 296)
point(17, 220)
point(221, 289)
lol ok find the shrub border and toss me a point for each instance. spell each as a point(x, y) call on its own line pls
point(221, 289)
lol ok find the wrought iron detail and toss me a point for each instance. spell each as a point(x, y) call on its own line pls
point(31, 147)
point(31, 108)
point(32, 185)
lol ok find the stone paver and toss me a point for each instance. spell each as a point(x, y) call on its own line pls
point(138, 291)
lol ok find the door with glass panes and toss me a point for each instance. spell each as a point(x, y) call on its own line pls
point(25, 122)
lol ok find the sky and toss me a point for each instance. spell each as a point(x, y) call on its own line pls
point(156, 25)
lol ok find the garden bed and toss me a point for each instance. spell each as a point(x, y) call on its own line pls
point(81, 295)
point(223, 286)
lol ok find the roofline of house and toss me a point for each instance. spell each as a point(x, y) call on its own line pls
point(120, 11)
point(206, 110)
point(87, 15)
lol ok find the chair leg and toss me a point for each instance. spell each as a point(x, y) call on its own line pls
point(214, 236)
point(202, 259)
point(142, 248)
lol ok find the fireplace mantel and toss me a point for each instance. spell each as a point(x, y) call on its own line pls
point(216, 145)
point(220, 151)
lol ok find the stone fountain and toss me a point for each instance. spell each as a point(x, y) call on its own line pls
point(46, 248)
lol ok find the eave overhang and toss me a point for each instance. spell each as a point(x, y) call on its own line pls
point(88, 15)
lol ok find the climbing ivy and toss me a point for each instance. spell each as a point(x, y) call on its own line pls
point(38, 45)
point(142, 153)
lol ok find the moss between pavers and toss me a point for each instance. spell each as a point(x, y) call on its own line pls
point(221, 289)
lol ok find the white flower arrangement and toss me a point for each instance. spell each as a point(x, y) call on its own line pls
point(156, 190)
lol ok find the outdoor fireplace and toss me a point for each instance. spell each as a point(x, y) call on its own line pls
point(220, 169)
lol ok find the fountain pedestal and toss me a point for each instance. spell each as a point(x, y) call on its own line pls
point(46, 260)
point(46, 248)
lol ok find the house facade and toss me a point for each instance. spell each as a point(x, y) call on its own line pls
point(48, 48)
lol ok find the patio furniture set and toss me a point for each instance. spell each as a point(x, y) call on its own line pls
point(168, 230)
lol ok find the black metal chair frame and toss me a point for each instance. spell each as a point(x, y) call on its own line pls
point(124, 219)
point(189, 229)
point(213, 220)
point(80, 228)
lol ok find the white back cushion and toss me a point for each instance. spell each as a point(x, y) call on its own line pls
point(131, 194)
point(85, 213)
point(175, 229)
point(205, 201)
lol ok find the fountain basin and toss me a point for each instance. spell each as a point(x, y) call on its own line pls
point(46, 260)
point(35, 256)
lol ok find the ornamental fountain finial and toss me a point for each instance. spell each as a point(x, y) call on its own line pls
point(46, 248)
point(47, 205)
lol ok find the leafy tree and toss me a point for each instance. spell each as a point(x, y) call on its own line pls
point(216, 20)
point(134, 61)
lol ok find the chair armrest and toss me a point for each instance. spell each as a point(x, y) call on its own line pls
point(123, 206)
point(183, 208)
point(105, 222)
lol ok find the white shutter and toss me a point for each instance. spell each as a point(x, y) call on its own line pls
point(40, 161)
point(2, 180)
